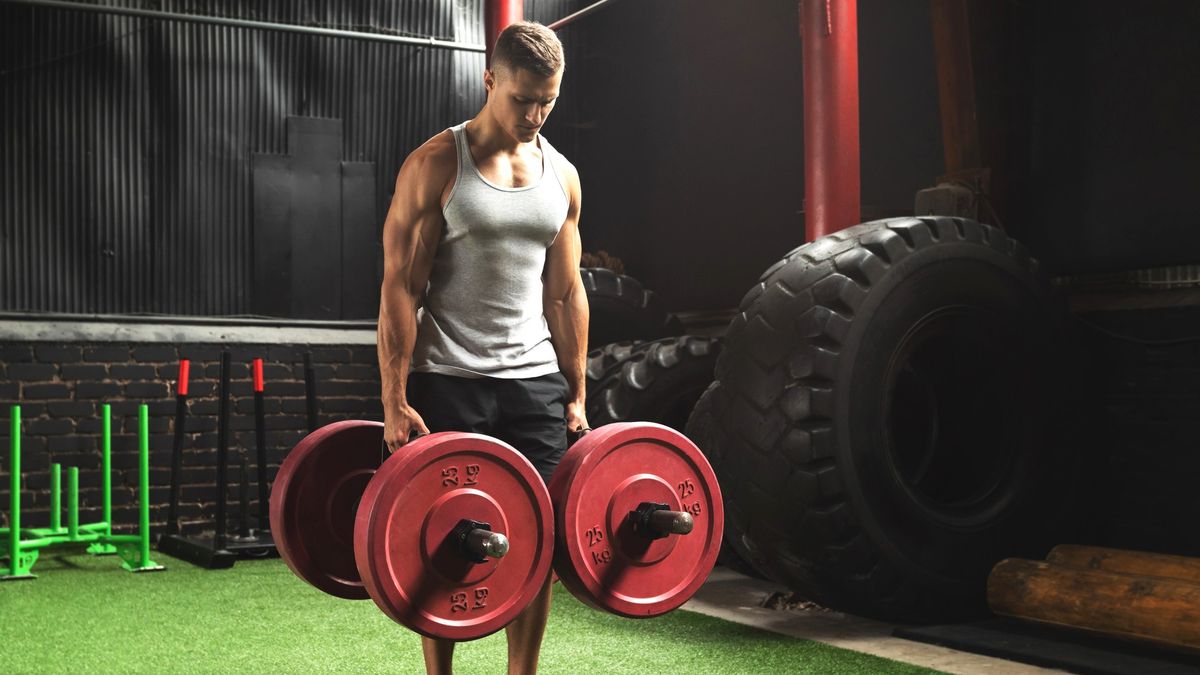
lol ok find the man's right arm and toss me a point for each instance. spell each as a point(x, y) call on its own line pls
point(410, 237)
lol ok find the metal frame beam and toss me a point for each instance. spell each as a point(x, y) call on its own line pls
point(572, 18)
point(255, 25)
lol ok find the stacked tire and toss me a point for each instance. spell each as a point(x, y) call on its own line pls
point(622, 309)
point(649, 381)
point(881, 414)
point(631, 376)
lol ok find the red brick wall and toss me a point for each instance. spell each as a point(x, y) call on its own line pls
point(61, 388)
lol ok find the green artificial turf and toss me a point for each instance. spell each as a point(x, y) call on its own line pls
point(85, 614)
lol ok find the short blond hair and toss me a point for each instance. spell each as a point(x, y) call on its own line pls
point(528, 45)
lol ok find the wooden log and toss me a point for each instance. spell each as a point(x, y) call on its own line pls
point(1126, 562)
point(1149, 609)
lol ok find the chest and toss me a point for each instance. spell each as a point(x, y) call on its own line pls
point(520, 218)
point(521, 169)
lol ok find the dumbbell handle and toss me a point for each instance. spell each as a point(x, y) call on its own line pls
point(671, 522)
point(486, 543)
point(477, 541)
point(655, 521)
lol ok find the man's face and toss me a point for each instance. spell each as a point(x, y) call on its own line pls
point(521, 100)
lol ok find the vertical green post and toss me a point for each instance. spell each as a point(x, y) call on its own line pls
point(144, 563)
point(73, 502)
point(104, 545)
point(144, 479)
point(56, 496)
point(14, 486)
point(20, 563)
point(106, 444)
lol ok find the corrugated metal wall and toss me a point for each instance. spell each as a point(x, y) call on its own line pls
point(125, 164)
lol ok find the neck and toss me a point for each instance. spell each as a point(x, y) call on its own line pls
point(487, 133)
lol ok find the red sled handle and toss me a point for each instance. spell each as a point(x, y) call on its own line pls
point(258, 375)
point(184, 369)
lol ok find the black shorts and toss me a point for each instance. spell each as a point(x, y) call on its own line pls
point(528, 414)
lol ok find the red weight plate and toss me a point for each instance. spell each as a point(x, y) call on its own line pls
point(405, 556)
point(314, 499)
point(601, 479)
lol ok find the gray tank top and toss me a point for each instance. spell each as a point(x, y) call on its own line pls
point(482, 314)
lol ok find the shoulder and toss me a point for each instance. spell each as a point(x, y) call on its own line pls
point(567, 172)
point(436, 154)
point(571, 180)
point(429, 168)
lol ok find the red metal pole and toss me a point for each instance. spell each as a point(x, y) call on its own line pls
point(829, 31)
point(498, 15)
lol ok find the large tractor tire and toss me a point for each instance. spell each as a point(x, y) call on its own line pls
point(621, 309)
point(879, 420)
point(655, 381)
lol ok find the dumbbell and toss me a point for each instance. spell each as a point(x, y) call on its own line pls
point(393, 531)
point(453, 535)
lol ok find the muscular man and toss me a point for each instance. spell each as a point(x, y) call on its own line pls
point(483, 317)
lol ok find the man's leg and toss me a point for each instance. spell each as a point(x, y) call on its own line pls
point(525, 634)
point(438, 655)
point(532, 415)
point(449, 403)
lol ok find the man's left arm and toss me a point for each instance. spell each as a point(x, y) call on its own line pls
point(565, 304)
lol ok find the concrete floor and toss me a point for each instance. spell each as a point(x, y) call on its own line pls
point(735, 597)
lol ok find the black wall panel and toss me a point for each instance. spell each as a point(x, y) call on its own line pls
point(690, 144)
point(126, 143)
point(1115, 148)
point(690, 139)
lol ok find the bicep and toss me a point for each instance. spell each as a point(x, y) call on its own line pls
point(562, 263)
point(413, 226)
